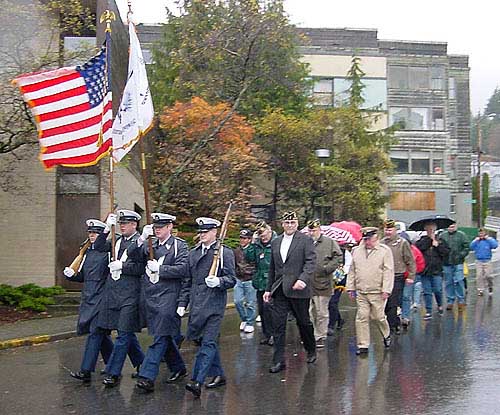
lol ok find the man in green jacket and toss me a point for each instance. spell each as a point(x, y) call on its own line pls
point(328, 258)
point(259, 253)
point(453, 266)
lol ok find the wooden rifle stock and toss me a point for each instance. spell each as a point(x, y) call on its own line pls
point(75, 265)
point(220, 241)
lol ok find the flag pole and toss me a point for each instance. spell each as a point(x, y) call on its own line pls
point(144, 170)
point(109, 16)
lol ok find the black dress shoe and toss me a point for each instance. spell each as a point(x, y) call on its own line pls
point(111, 381)
point(311, 357)
point(177, 375)
point(135, 375)
point(362, 351)
point(145, 384)
point(278, 367)
point(83, 375)
point(267, 341)
point(103, 372)
point(194, 388)
point(340, 324)
point(330, 331)
point(216, 382)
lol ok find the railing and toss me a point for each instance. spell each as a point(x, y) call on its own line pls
point(492, 223)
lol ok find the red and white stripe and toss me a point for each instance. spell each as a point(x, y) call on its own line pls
point(69, 129)
point(340, 235)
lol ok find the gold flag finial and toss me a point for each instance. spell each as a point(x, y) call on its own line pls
point(108, 16)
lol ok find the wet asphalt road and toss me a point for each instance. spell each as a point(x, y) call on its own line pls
point(449, 365)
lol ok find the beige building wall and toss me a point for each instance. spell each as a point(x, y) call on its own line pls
point(27, 218)
point(328, 66)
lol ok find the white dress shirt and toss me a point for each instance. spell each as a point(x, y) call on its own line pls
point(285, 246)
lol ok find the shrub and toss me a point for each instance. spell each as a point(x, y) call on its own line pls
point(29, 296)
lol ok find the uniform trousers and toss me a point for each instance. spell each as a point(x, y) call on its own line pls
point(333, 309)
point(299, 307)
point(265, 315)
point(370, 306)
point(97, 341)
point(207, 362)
point(394, 301)
point(318, 311)
point(125, 343)
point(162, 347)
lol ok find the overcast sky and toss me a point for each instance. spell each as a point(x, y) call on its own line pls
point(470, 29)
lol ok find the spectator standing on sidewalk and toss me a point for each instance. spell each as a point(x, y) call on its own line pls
point(328, 258)
point(453, 266)
point(403, 262)
point(435, 251)
point(482, 246)
point(245, 297)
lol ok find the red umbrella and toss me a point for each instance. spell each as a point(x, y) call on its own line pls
point(353, 228)
point(340, 235)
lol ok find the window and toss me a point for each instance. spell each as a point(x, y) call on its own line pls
point(451, 88)
point(437, 122)
point(453, 204)
point(328, 92)
point(418, 77)
point(398, 77)
point(437, 77)
point(418, 119)
point(420, 163)
point(417, 162)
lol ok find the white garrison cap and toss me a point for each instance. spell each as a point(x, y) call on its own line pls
point(95, 225)
point(125, 215)
point(205, 224)
point(162, 219)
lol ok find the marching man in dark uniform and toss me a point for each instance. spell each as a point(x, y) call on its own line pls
point(207, 297)
point(161, 288)
point(120, 311)
point(293, 261)
point(93, 272)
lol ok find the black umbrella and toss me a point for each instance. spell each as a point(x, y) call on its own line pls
point(441, 222)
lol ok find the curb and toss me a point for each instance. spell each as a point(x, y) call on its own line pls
point(45, 338)
point(33, 340)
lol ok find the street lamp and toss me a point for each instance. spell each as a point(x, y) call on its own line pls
point(322, 154)
point(479, 178)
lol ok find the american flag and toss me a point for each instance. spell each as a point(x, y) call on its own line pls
point(72, 108)
point(340, 235)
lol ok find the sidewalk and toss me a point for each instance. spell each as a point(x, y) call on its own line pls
point(43, 330)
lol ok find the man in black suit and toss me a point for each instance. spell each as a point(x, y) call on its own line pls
point(293, 261)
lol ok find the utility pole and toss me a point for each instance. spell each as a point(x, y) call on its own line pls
point(479, 181)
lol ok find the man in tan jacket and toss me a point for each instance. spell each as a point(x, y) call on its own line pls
point(370, 281)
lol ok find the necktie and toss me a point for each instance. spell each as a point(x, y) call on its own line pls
point(203, 251)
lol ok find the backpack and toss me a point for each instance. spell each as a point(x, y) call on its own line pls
point(419, 259)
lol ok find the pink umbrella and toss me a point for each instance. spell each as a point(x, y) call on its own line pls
point(340, 235)
point(353, 228)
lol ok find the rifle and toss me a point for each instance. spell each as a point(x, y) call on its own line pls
point(220, 241)
point(75, 265)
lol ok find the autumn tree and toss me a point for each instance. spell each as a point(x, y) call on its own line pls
point(223, 169)
point(240, 52)
point(38, 46)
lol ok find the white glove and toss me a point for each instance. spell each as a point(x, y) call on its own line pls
point(115, 265)
point(147, 231)
point(68, 272)
point(153, 265)
point(110, 221)
point(181, 311)
point(212, 281)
